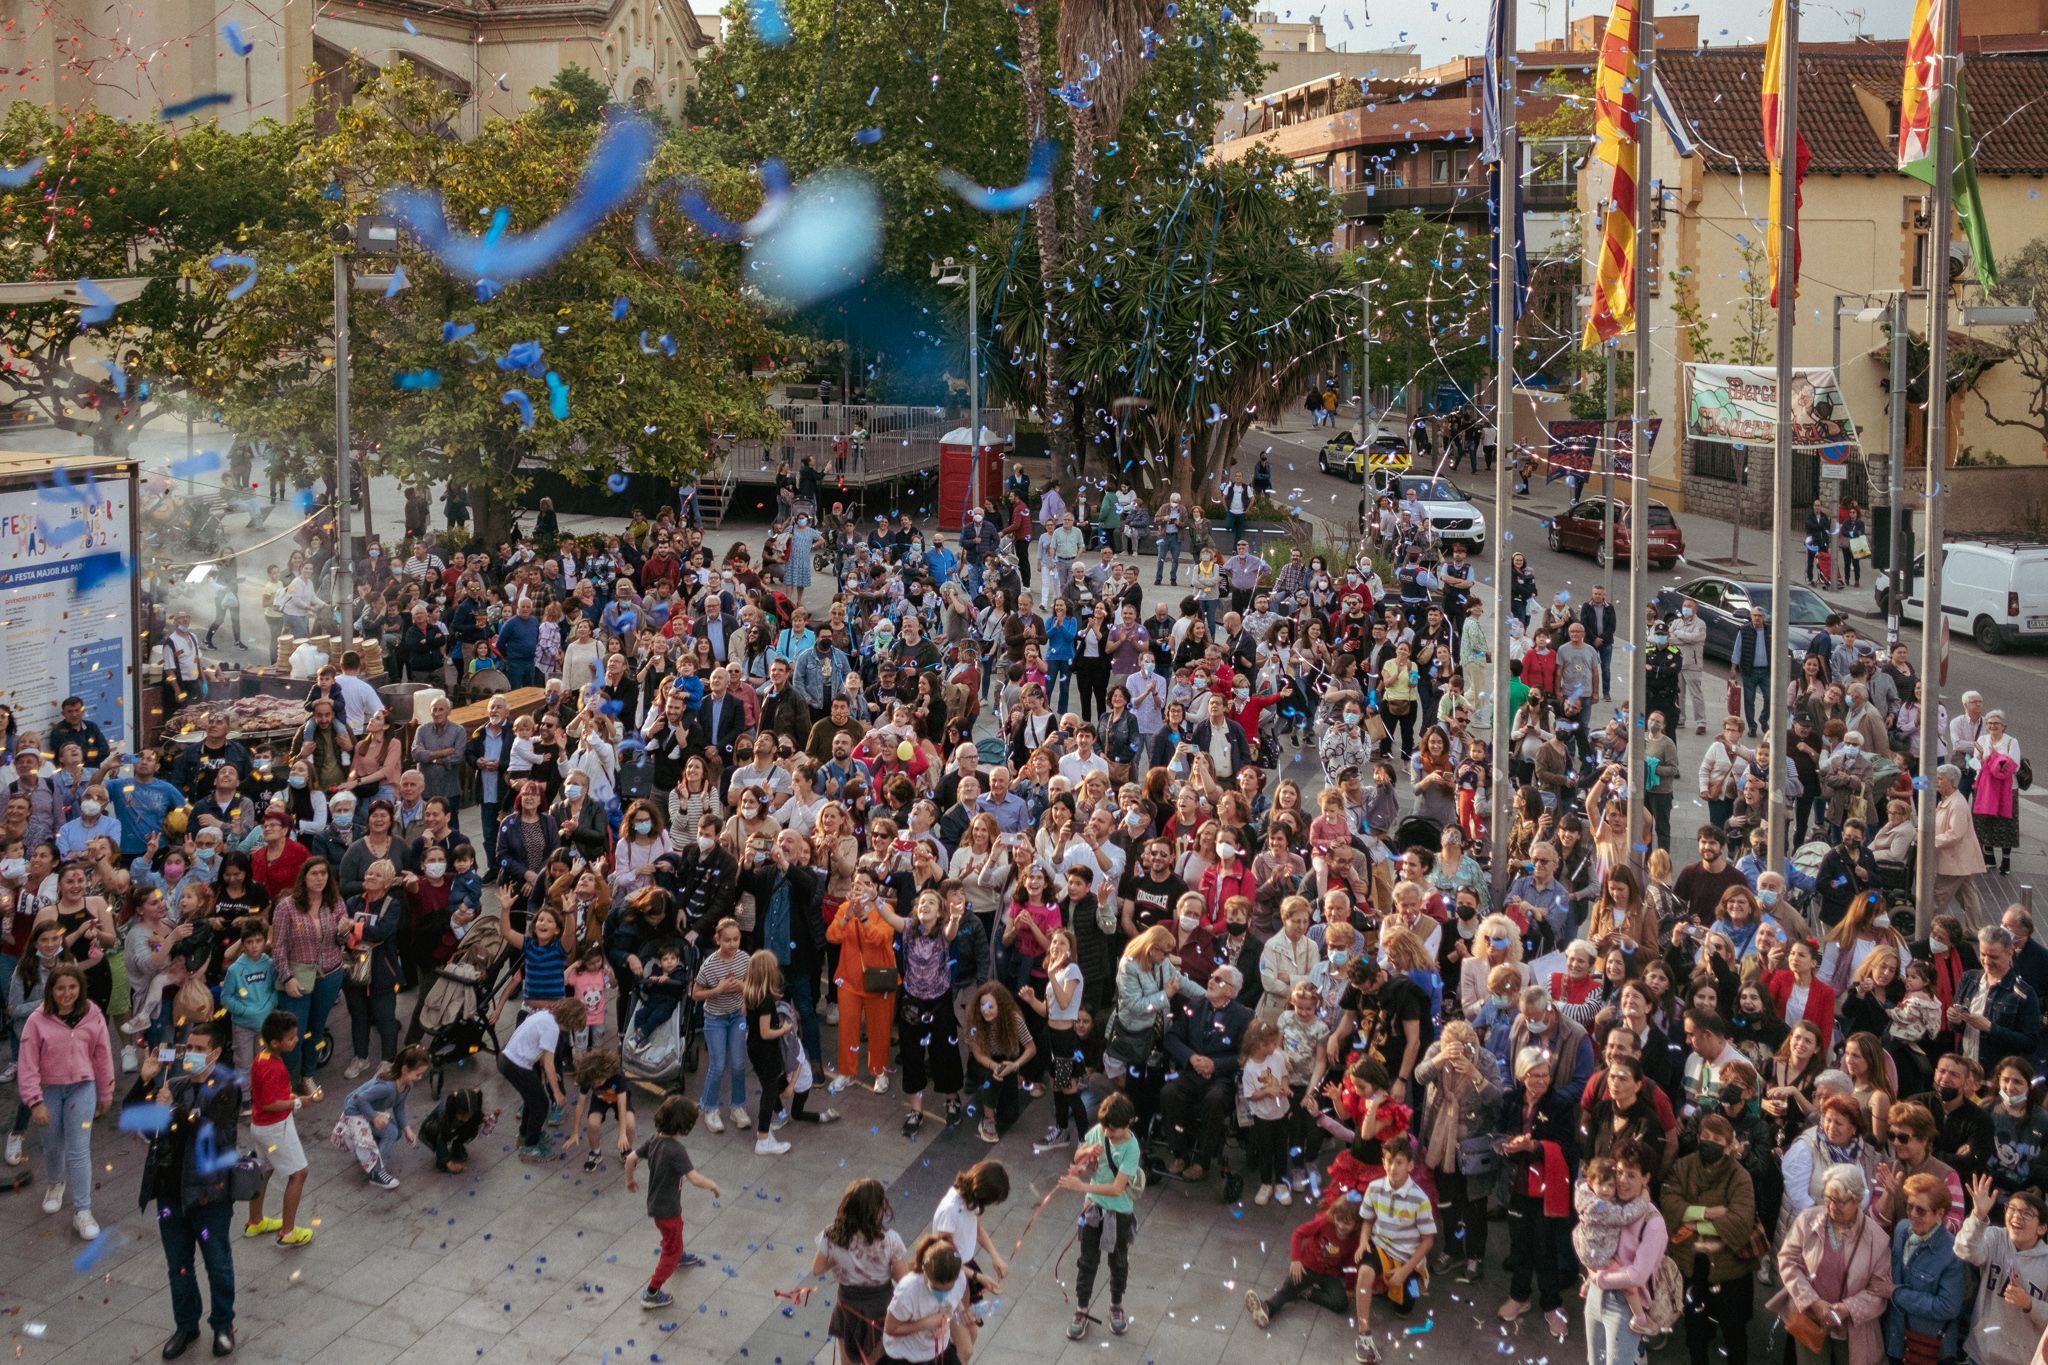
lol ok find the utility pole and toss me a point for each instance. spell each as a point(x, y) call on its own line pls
point(973, 498)
point(1607, 434)
point(344, 543)
point(1940, 209)
point(1365, 423)
point(1635, 639)
point(1503, 93)
point(1778, 626)
point(1899, 554)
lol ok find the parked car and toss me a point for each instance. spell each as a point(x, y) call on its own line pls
point(1582, 529)
point(1724, 603)
point(1342, 454)
point(1451, 514)
point(1997, 590)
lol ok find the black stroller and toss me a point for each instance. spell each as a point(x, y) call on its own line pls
point(454, 1013)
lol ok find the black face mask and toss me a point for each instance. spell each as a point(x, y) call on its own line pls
point(1949, 1093)
point(1711, 1152)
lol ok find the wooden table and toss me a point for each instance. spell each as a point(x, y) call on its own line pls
point(524, 702)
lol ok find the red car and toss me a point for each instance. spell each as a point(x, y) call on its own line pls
point(1582, 529)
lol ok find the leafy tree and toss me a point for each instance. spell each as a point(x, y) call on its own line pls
point(631, 405)
point(573, 99)
point(1190, 321)
point(1428, 284)
point(2022, 280)
point(125, 199)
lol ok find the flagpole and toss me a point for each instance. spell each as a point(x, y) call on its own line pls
point(1509, 180)
point(1778, 631)
point(1940, 204)
point(1639, 453)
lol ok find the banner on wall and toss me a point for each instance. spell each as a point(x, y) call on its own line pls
point(66, 608)
point(1738, 405)
point(1575, 446)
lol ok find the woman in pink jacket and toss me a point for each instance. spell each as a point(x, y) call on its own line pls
point(1836, 1268)
point(1609, 1338)
point(67, 1078)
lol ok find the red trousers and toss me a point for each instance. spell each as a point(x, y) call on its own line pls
point(671, 1230)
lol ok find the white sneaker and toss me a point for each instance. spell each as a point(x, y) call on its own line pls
point(831, 1013)
point(781, 1118)
point(882, 1084)
point(838, 1087)
point(1264, 1196)
point(135, 1025)
point(53, 1197)
point(713, 1123)
point(88, 1227)
point(130, 1059)
point(740, 1119)
point(769, 1145)
point(355, 1068)
point(1282, 1195)
point(13, 1152)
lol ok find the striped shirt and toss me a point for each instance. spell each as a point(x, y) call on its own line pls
point(716, 971)
point(1397, 1220)
point(546, 966)
point(419, 566)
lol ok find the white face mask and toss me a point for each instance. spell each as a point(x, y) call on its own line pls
point(1937, 947)
point(89, 806)
point(705, 843)
point(2014, 1099)
point(1190, 923)
point(1226, 851)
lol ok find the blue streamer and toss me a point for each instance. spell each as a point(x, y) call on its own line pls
point(118, 377)
point(14, 177)
point(145, 1118)
point(398, 282)
point(769, 23)
point(867, 137)
point(416, 379)
point(248, 263)
point(518, 399)
point(195, 104)
point(231, 34)
point(521, 355)
point(1037, 180)
point(611, 178)
point(55, 536)
point(456, 331)
point(619, 307)
point(558, 397)
point(100, 307)
point(205, 462)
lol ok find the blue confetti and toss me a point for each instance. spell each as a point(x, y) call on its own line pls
point(558, 397)
point(118, 377)
point(871, 96)
point(867, 137)
point(409, 28)
point(487, 289)
point(825, 240)
point(231, 34)
point(611, 178)
point(766, 16)
point(521, 355)
point(619, 307)
point(205, 462)
point(416, 379)
point(518, 399)
point(617, 483)
point(398, 282)
point(95, 1251)
point(451, 331)
point(248, 263)
point(101, 307)
point(15, 176)
point(1037, 180)
point(145, 1118)
point(195, 104)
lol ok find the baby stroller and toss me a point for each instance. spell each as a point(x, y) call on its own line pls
point(660, 1062)
point(454, 1012)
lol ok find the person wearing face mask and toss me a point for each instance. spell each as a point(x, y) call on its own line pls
point(1709, 1208)
point(1341, 740)
point(92, 821)
point(1964, 1134)
point(1231, 875)
point(580, 821)
point(2020, 1128)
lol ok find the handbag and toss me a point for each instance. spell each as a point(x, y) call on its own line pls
point(1805, 1331)
point(2025, 776)
point(880, 981)
point(1477, 1157)
point(359, 966)
point(1859, 546)
point(245, 1181)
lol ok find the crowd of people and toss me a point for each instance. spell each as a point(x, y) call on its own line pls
point(750, 807)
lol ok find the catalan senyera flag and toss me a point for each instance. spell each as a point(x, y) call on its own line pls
point(1923, 73)
point(1616, 108)
point(1778, 69)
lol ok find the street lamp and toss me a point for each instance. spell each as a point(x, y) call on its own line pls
point(375, 236)
point(947, 273)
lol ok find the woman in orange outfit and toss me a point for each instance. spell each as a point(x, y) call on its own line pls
point(865, 929)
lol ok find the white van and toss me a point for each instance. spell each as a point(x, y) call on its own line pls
point(1995, 591)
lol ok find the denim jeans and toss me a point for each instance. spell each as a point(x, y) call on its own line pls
point(311, 1011)
point(725, 1053)
point(1608, 1338)
point(1059, 673)
point(67, 1142)
point(1756, 697)
point(1169, 559)
point(803, 991)
point(187, 1235)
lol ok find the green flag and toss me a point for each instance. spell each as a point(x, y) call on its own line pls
point(1969, 204)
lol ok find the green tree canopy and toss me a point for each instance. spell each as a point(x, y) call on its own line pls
point(1428, 283)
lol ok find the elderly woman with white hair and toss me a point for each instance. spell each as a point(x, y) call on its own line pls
point(1498, 943)
point(1538, 1136)
point(1994, 796)
point(1835, 1268)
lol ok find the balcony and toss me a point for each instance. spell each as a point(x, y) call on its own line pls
point(1449, 200)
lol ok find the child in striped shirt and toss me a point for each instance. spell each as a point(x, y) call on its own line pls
point(1400, 1228)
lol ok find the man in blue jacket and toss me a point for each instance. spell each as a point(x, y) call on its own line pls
point(519, 644)
point(1204, 1043)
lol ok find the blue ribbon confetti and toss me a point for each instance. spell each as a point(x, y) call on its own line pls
point(100, 307)
point(619, 307)
point(613, 175)
point(205, 462)
point(248, 263)
point(13, 177)
point(456, 331)
point(1037, 180)
point(195, 104)
point(558, 397)
point(398, 282)
point(521, 355)
point(416, 379)
point(518, 399)
point(769, 23)
point(231, 34)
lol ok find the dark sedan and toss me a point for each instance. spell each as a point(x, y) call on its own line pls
point(1724, 603)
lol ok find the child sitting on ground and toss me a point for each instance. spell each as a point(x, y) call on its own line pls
point(1322, 1266)
point(1597, 1235)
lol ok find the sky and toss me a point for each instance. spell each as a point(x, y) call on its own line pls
point(1456, 28)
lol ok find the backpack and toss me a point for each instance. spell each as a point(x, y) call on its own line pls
point(1667, 1296)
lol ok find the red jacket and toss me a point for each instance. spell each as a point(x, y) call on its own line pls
point(1820, 1004)
point(278, 875)
point(1219, 886)
point(1321, 1249)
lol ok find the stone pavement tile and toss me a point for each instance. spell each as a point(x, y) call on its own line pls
point(112, 1339)
point(406, 1317)
point(355, 1349)
point(378, 1277)
point(448, 1344)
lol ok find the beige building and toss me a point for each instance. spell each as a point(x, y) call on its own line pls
point(489, 52)
point(1300, 52)
point(1864, 234)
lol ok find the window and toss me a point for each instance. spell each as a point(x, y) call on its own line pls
point(1439, 168)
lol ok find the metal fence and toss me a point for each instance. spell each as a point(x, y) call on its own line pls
point(900, 440)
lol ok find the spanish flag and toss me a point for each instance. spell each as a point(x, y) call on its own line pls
point(1616, 107)
point(1779, 67)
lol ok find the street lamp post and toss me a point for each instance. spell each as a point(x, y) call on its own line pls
point(372, 236)
point(947, 273)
